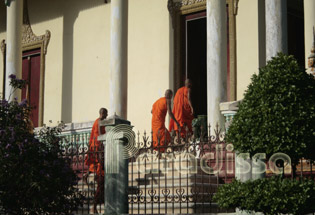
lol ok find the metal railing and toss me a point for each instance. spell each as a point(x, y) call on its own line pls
point(180, 176)
point(76, 147)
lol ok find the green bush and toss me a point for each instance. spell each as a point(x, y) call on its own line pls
point(35, 178)
point(269, 195)
point(277, 113)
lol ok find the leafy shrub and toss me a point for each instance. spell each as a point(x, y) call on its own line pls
point(269, 195)
point(35, 178)
point(277, 113)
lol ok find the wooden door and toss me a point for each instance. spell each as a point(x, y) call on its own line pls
point(31, 73)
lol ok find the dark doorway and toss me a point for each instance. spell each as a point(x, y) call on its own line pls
point(295, 16)
point(196, 59)
point(31, 73)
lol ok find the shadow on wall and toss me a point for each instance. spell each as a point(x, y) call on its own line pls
point(69, 9)
point(45, 10)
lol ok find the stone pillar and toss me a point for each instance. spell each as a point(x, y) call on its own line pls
point(276, 27)
point(118, 58)
point(309, 23)
point(118, 147)
point(216, 59)
point(14, 45)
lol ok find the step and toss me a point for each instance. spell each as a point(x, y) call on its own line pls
point(174, 172)
point(184, 166)
point(170, 179)
point(177, 189)
point(161, 198)
point(175, 208)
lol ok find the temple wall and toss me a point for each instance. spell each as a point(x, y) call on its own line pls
point(247, 44)
point(77, 60)
point(148, 58)
point(78, 56)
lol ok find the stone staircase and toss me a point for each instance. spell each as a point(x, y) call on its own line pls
point(173, 186)
point(88, 192)
point(163, 186)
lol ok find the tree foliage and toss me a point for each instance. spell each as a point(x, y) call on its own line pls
point(35, 178)
point(277, 113)
point(272, 196)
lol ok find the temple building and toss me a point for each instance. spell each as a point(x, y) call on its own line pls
point(80, 55)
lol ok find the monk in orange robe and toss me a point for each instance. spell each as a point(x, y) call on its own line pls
point(182, 109)
point(161, 136)
point(95, 159)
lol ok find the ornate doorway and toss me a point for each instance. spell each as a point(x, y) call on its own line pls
point(187, 14)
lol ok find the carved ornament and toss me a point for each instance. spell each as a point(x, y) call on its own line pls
point(28, 37)
point(176, 5)
point(190, 2)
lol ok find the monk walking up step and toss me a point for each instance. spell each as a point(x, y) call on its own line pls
point(161, 136)
point(95, 159)
point(182, 109)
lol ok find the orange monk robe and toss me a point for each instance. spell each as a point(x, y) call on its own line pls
point(95, 156)
point(181, 111)
point(161, 136)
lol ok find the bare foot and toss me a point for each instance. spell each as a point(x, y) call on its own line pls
point(85, 177)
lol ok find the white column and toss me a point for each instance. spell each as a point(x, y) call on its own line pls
point(118, 58)
point(14, 45)
point(276, 27)
point(309, 22)
point(216, 60)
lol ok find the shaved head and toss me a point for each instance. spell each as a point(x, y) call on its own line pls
point(103, 113)
point(168, 94)
point(101, 110)
point(188, 83)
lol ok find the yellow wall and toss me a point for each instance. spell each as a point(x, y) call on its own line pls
point(148, 58)
point(77, 61)
point(78, 57)
point(247, 44)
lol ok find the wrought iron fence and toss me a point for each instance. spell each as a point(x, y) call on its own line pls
point(180, 176)
point(76, 147)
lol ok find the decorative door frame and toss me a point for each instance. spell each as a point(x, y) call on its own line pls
point(29, 42)
point(177, 8)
